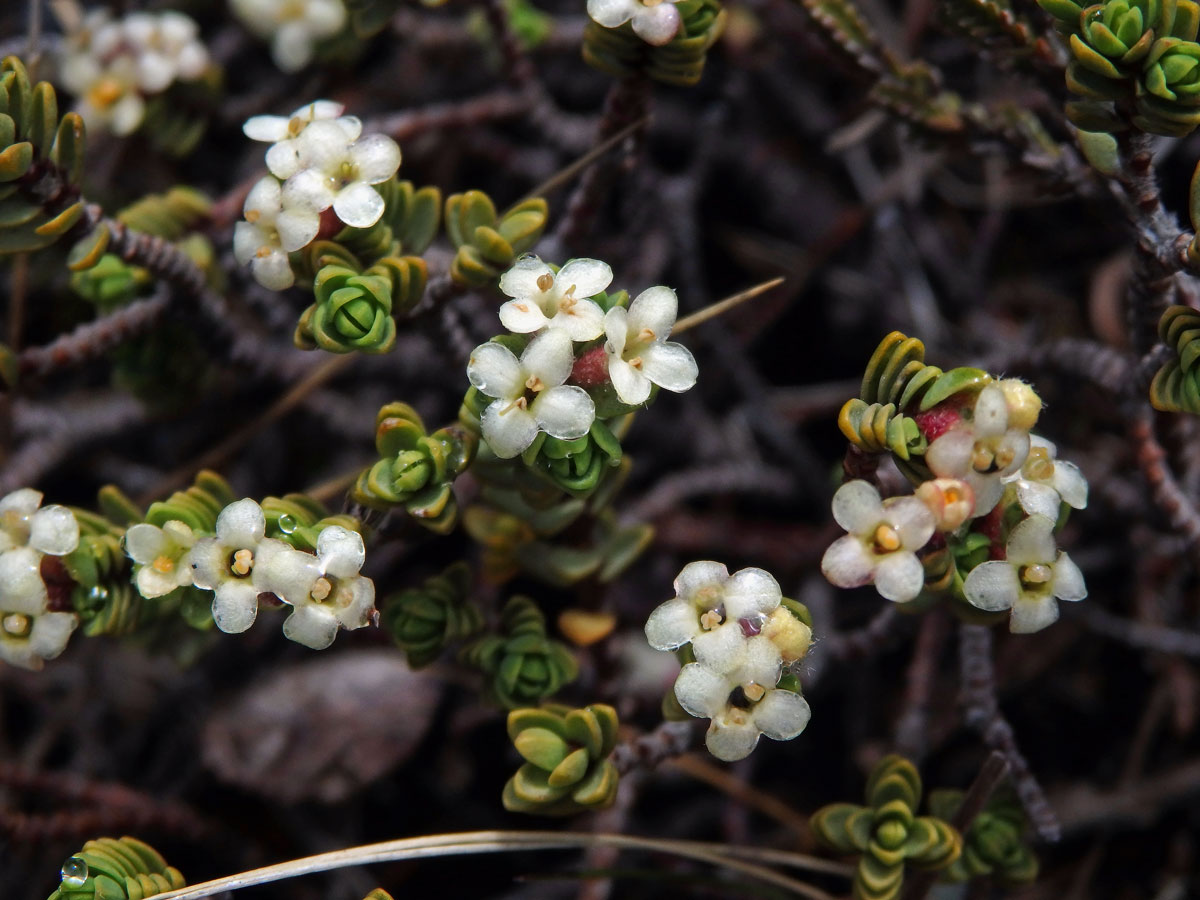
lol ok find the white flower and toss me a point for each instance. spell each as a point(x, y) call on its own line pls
point(292, 26)
point(950, 500)
point(269, 233)
point(283, 156)
point(881, 544)
point(29, 634)
point(1044, 482)
point(512, 422)
point(337, 171)
point(162, 554)
point(231, 564)
point(983, 451)
point(638, 351)
point(113, 65)
point(21, 586)
point(734, 623)
point(543, 299)
point(51, 529)
point(325, 591)
point(1028, 580)
point(654, 21)
point(735, 729)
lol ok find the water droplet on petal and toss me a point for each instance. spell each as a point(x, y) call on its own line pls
point(74, 872)
point(287, 524)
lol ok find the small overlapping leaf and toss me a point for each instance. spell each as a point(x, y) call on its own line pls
point(566, 752)
point(423, 621)
point(117, 869)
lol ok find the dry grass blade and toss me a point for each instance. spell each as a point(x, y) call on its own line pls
point(562, 176)
point(722, 306)
point(508, 841)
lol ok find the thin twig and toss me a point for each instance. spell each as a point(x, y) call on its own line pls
point(722, 306)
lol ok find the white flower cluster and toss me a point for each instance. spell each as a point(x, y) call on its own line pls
point(986, 462)
point(530, 394)
point(654, 21)
point(29, 632)
point(742, 639)
point(240, 562)
point(112, 66)
point(292, 26)
point(318, 159)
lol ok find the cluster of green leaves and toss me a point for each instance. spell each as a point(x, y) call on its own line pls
point(521, 663)
point(566, 752)
point(622, 54)
point(41, 162)
point(994, 844)
point(424, 620)
point(416, 469)
point(886, 833)
point(364, 278)
point(486, 243)
point(1132, 54)
point(117, 869)
point(1176, 386)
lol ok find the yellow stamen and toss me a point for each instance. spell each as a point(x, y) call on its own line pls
point(321, 589)
point(710, 620)
point(1039, 467)
point(106, 92)
point(243, 562)
point(646, 336)
point(519, 403)
point(982, 458)
point(1037, 574)
point(253, 215)
point(636, 362)
point(534, 384)
point(263, 252)
point(754, 692)
point(736, 716)
point(296, 125)
point(886, 539)
point(16, 624)
point(545, 281)
point(163, 564)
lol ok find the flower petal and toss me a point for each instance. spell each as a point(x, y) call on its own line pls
point(375, 158)
point(521, 280)
point(152, 583)
point(949, 456)
point(495, 371)
point(616, 329)
point(297, 228)
point(50, 633)
point(991, 412)
point(283, 159)
point(23, 502)
point(847, 563)
point(583, 321)
point(266, 128)
point(1032, 541)
point(899, 576)
point(672, 624)
point(241, 523)
point(762, 662)
point(655, 308)
point(549, 357)
point(857, 507)
point(729, 740)
point(210, 563)
point(522, 316)
point(565, 412)
point(355, 602)
point(657, 25)
point(988, 490)
point(273, 271)
point(702, 583)
point(307, 190)
point(1067, 583)
point(359, 205)
point(589, 276)
point(751, 592)
point(631, 385)
point(1038, 499)
point(508, 431)
point(1070, 484)
point(1032, 613)
point(612, 13)
point(992, 586)
point(53, 530)
point(700, 691)
point(670, 366)
point(781, 715)
point(20, 574)
point(912, 519)
point(721, 650)
point(235, 606)
point(312, 626)
point(341, 551)
point(288, 574)
point(144, 543)
point(292, 47)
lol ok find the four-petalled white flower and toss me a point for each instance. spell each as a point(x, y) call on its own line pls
point(292, 26)
point(543, 299)
point(512, 421)
point(282, 133)
point(983, 451)
point(337, 170)
point(29, 634)
point(326, 591)
point(269, 233)
point(1033, 573)
point(735, 728)
point(163, 556)
point(1044, 482)
point(654, 21)
point(637, 349)
point(881, 544)
point(232, 562)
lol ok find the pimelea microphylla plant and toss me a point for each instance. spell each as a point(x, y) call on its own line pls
point(481, 395)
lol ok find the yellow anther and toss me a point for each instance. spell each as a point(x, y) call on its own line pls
point(982, 458)
point(887, 539)
point(163, 564)
point(263, 252)
point(711, 620)
point(321, 589)
point(754, 692)
point(1039, 466)
point(296, 125)
point(535, 384)
point(253, 215)
point(243, 562)
point(545, 281)
point(1037, 574)
point(646, 335)
point(16, 624)
point(106, 92)
point(636, 362)
point(519, 403)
